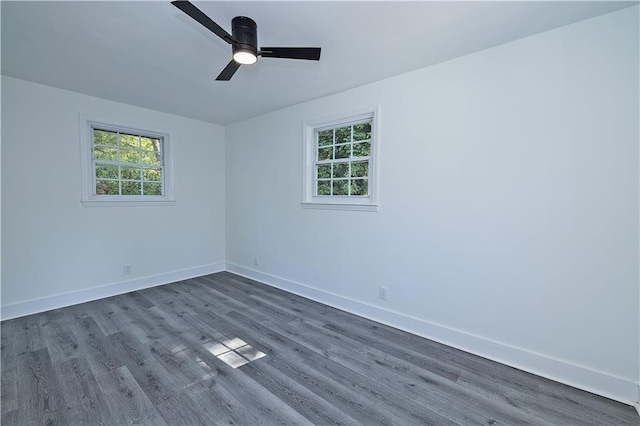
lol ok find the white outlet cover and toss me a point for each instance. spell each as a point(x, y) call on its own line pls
point(382, 293)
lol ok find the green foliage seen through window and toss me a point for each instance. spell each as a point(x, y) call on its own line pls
point(127, 164)
point(342, 160)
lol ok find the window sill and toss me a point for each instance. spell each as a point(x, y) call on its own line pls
point(340, 206)
point(126, 203)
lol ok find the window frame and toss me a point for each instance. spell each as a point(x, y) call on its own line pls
point(340, 202)
point(89, 196)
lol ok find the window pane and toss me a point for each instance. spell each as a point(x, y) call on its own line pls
point(342, 162)
point(362, 149)
point(340, 187)
point(325, 137)
point(130, 173)
point(341, 170)
point(130, 188)
point(325, 154)
point(343, 134)
point(360, 187)
point(324, 187)
point(102, 137)
point(324, 171)
point(125, 162)
point(107, 187)
point(152, 188)
point(152, 175)
point(151, 157)
point(343, 151)
point(150, 144)
point(104, 153)
point(110, 172)
point(129, 156)
point(129, 141)
point(362, 131)
point(360, 169)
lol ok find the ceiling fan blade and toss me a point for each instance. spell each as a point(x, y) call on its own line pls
point(203, 19)
point(228, 71)
point(309, 53)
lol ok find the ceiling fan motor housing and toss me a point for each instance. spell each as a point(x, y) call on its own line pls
point(244, 30)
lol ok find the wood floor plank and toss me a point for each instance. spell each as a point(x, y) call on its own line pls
point(298, 313)
point(60, 340)
point(85, 400)
point(511, 386)
point(294, 304)
point(138, 299)
point(243, 389)
point(315, 409)
point(82, 310)
point(152, 293)
point(218, 403)
point(9, 387)
point(179, 318)
point(273, 313)
point(43, 318)
point(212, 300)
point(10, 418)
point(94, 346)
point(83, 327)
point(308, 372)
point(126, 399)
point(426, 363)
point(184, 369)
point(153, 378)
point(9, 339)
point(404, 379)
point(224, 349)
point(133, 319)
point(418, 384)
point(390, 380)
point(27, 335)
point(108, 319)
point(165, 291)
point(183, 410)
point(40, 400)
point(257, 400)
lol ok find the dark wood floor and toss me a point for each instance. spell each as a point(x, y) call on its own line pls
point(222, 349)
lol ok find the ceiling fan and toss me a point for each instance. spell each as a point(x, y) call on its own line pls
point(244, 41)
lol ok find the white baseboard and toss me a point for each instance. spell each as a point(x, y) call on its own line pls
point(43, 304)
point(597, 382)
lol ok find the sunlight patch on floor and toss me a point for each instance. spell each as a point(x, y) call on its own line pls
point(234, 352)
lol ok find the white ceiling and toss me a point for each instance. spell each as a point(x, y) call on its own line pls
point(152, 55)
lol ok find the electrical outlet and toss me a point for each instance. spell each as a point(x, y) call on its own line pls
point(255, 261)
point(126, 270)
point(382, 293)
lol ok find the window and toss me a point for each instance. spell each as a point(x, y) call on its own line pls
point(123, 165)
point(340, 163)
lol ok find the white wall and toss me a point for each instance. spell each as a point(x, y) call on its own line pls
point(509, 205)
point(57, 252)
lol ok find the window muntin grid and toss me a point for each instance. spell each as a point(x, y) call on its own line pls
point(342, 159)
point(126, 163)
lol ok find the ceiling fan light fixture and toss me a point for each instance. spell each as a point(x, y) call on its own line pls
point(244, 41)
point(244, 57)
